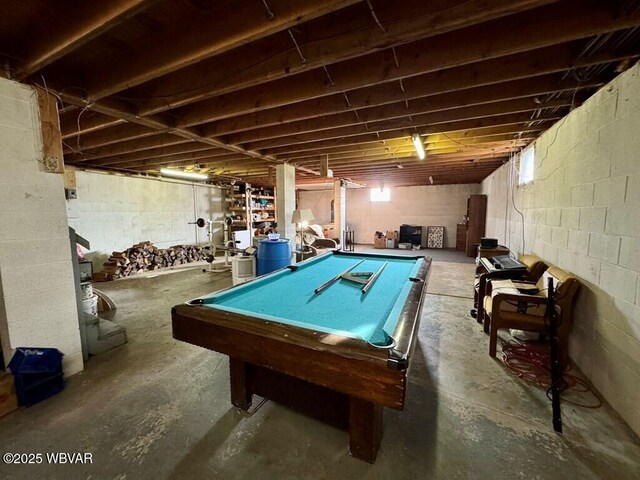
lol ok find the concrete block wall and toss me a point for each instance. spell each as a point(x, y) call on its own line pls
point(437, 205)
point(37, 293)
point(582, 213)
point(114, 212)
point(433, 205)
point(319, 201)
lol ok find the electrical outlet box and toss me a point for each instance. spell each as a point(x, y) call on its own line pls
point(70, 193)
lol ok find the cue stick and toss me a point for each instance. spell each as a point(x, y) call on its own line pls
point(373, 278)
point(337, 277)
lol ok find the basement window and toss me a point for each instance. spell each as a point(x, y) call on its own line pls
point(382, 194)
point(527, 160)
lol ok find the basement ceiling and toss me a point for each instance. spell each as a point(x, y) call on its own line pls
point(236, 87)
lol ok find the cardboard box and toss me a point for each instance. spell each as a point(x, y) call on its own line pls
point(393, 234)
point(379, 242)
point(8, 399)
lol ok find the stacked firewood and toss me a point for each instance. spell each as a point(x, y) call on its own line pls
point(144, 256)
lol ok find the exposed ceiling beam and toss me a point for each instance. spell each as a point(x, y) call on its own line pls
point(138, 145)
point(546, 26)
point(469, 144)
point(527, 87)
point(188, 159)
point(251, 66)
point(420, 123)
point(74, 24)
point(203, 34)
point(418, 112)
point(323, 146)
point(108, 136)
point(160, 152)
point(558, 58)
point(73, 124)
point(156, 122)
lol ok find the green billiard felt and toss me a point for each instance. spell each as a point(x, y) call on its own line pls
point(288, 296)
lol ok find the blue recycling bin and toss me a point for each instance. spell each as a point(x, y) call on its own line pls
point(37, 373)
point(273, 255)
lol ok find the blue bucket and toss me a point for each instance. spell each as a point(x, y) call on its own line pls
point(273, 255)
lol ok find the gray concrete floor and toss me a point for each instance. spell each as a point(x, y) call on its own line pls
point(159, 408)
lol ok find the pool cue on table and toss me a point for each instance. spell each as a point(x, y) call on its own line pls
point(373, 278)
point(337, 277)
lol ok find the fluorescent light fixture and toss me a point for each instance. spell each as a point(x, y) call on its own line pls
point(169, 172)
point(417, 142)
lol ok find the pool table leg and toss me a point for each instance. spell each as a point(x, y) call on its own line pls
point(240, 392)
point(365, 429)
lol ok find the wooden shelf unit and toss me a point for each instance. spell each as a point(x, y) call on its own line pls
point(245, 203)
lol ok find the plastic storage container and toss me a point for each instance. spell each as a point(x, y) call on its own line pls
point(38, 374)
point(273, 255)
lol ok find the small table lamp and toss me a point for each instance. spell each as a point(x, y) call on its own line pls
point(301, 218)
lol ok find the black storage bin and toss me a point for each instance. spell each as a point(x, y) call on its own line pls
point(38, 374)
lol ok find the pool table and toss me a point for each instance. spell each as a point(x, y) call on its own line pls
point(339, 355)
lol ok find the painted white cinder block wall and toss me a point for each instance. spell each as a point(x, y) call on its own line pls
point(114, 212)
point(434, 205)
point(582, 213)
point(37, 293)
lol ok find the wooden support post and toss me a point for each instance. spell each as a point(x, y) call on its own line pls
point(52, 159)
point(340, 210)
point(324, 167)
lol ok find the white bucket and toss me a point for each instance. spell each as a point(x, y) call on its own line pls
point(87, 290)
point(90, 305)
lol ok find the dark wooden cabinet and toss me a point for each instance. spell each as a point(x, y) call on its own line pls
point(476, 214)
point(461, 236)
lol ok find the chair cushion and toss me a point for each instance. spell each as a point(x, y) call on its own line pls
point(316, 230)
point(511, 288)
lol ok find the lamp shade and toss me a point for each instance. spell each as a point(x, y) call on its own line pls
point(301, 216)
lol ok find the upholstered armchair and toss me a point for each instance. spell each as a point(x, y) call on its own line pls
point(535, 267)
point(313, 236)
point(521, 305)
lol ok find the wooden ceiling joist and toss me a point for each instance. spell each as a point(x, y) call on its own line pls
point(416, 19)
point(429, 147)
point(195, 152)
point(160, 152)
point(109, 136)
point(529, 87)
point(76, 123)
point(77, 23)
point(206, 33)
point(404, 128)
point(236, 88)
point(127, 147)
point(359, 142)
point(396, 116)
point(530, 30)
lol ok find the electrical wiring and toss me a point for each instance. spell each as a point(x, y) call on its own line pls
point(505, 143)
point(534, 366)
point(513, 180)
